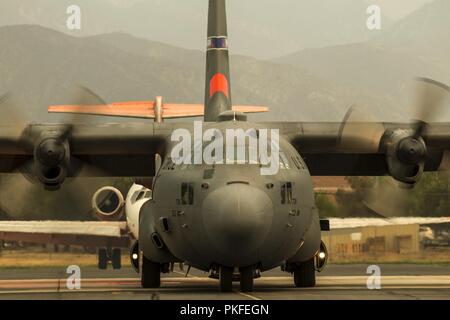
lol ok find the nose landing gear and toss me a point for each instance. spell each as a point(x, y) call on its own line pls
point(226, 279)
point(247, 279)
point(227, 276)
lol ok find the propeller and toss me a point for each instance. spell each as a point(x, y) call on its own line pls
point(22, 195)
point(406, 150)
point(52, 161)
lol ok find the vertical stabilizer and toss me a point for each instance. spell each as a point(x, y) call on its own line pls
point(218, 91)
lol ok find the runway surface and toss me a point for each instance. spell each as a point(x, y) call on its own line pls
point(338, 282)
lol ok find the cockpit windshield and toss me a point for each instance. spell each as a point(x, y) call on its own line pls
point(239, 154)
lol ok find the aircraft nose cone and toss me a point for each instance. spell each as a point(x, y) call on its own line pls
point(237, 219)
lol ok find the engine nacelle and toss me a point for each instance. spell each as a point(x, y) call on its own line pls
point(405, 156)
point(108, 204)
point(51, 162)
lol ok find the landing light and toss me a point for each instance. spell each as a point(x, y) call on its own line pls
point(135, 256)
point(322, 255)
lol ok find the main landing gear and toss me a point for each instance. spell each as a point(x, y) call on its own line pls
point(151, 274)
point(304, 274)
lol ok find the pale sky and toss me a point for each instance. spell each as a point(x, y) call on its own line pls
point(287, 25)
point(396, 9)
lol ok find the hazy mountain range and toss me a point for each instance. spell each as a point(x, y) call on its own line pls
point(258, 28)
point(416, 46)
point(41, 65)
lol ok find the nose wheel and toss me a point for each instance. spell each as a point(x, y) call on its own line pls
point(247, 279)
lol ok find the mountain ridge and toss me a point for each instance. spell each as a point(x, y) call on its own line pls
point(387, 65)
point(118, 71)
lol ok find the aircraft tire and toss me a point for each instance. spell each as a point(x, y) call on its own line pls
point(151, 274)
point(116, 259)
point(305, 274)
point(226, 279)
point(102, 259)
point(247, 279)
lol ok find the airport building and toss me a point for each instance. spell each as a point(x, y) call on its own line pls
point(383, 239)
point(374, 240)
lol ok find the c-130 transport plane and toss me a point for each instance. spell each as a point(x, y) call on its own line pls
point(227, 216)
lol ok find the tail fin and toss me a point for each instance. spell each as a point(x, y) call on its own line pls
point(218, 91)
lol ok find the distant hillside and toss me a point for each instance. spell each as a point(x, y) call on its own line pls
point(424, 34)
point(417, 45)
point(41, 65)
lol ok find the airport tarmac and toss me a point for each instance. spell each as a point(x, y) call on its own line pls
point(398, 282)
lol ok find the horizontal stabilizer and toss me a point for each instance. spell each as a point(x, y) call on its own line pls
point(146, 110)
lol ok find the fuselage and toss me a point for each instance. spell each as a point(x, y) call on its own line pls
point(229, 214)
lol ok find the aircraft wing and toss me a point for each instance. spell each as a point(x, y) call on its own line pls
point(361, 149)
point(93, 234)
point(118, 150)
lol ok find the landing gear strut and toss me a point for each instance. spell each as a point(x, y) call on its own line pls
point(151, 274)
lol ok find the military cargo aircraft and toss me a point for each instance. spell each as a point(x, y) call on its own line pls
point(228, 216)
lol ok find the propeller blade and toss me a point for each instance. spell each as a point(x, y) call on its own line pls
point(388, 198)
point(5, 97)
point(360, 131)
point(10, 107)
point(431, 95)
point(79, 95)
point(22, 199)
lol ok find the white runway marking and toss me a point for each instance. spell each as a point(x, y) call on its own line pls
point(248, 296)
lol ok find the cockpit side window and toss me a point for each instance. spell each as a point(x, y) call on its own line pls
point(298, 163)
point(284, 161)
point(169, 165)
point(187, 194)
